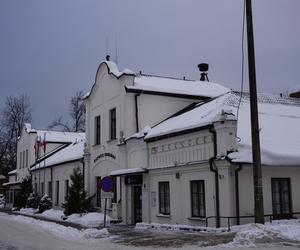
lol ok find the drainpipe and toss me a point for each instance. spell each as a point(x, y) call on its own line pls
point(136, 112)
point(51, 178)
point(237, 200)
point(212, 169)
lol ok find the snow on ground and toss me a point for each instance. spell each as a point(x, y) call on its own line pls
point(62, 231)
point(90, 220)
point(249, 235)
point(278, 235)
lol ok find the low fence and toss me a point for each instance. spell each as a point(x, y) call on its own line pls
point(271, 217)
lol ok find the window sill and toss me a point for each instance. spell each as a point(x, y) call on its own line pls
point(164, 216)
point(197, 218)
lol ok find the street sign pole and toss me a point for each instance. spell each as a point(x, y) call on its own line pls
point(105, 212)
point(106, 185)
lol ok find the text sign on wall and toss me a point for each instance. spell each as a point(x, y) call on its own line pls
point(133, 179)
point(105, 155)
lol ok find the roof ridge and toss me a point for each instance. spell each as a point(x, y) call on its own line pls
point(167, 77)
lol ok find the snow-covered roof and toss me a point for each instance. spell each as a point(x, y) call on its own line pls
point(114, 70)
point(178, 87)
point(55, 136)
point(165, 85)
point(128, 171)
point(11, 183)
point(200, 116)
point(279, 120)
point(140, 134)
point(2, 177)
point(72, 152)
point(12, 172)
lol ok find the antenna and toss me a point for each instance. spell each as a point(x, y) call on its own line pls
point(106, 45)
point(116, 55)
point(116, 44)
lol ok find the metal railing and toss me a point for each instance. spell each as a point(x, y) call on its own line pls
point(229, 218)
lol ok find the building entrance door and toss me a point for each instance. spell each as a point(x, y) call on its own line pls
point(137, 204)
point(281, 198)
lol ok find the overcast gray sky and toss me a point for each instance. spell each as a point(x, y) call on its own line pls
point(51, 49)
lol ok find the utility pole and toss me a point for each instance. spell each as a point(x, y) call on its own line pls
point(257, 175)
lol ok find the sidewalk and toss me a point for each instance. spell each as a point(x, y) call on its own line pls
point(63, 223)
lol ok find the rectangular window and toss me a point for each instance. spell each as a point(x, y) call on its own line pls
point(35, 187)
point(23, 159)
point(42, 188)
point(112, 124)
point(281, 197)
point(66, 189)
point(164, 198)
point(57, 193)
point(97, 130)
point(26, 158)
point(20, 160)
point(50, 189)
point(198, 198)
point(98, 194)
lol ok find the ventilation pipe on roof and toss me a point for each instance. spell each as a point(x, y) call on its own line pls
point(203, 67)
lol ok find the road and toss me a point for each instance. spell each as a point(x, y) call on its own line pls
point(20, 233)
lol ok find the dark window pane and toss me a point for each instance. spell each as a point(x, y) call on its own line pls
point(112, 115)
point(164, 198)
point(197, 198)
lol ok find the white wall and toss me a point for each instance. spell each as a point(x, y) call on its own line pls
point(59, 173)
point(246, 194)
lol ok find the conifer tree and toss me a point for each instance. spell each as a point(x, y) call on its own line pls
point(77, 200)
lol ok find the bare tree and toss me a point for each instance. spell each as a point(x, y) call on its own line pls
point(16, 112)
point(77, 113)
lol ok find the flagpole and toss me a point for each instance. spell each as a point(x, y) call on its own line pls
point(39, 187)
point(44, 145)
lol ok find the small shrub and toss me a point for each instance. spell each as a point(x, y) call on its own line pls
point(33, 201)
point(45, 203)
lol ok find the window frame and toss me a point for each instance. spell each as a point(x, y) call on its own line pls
point(280, 181)
point(97, 124)
point(57, 192)
point(112, 124)
point(200, 199)
point(26, 164)
point(164, 197)
point(67, 189)
point(50, 189)
point(42, 188)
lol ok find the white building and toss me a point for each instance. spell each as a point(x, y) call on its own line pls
point(45, 164)
point(122, 103)
point(195, 168)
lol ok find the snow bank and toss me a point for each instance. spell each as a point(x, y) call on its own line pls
point(53, 214)
point(89, 219)
point(62, 231)
point(277, 231)
point(28, 211)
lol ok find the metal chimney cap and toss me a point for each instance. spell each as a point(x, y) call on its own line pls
point(203, 67)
